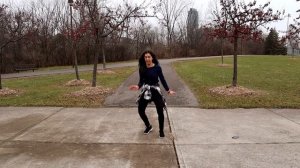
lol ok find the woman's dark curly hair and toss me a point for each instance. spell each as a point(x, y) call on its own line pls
point(142, 63)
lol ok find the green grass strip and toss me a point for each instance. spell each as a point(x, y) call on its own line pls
point(277, 76)
point(51, 90)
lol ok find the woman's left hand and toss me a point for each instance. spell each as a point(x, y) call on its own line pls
point(171, 92)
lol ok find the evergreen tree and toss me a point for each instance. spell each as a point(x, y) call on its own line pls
point(273, 45)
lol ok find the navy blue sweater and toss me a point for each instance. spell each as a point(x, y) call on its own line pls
point(150, 76)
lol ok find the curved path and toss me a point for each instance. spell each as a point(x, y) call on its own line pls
point(123, 97)
point(82, 68)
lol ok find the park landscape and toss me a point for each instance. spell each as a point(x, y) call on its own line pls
point(264, 82)
point(66, 67)
point(273, 64)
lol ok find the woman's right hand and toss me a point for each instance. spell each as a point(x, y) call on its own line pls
point(171, 92)
point(134, 87)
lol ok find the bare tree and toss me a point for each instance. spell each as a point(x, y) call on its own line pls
point(105, 20)
point(49, 24)
point(73, 40)
point(240, 20)
point(293, 33)
point(15, 26)
point(221, 33)
point(171, 11)
point(143, 36)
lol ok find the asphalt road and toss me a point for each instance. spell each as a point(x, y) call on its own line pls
point(184, 97)
point(86, 68)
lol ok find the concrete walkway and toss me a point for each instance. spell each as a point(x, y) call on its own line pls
point(113, 137)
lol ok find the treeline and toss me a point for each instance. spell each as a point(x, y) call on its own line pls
point(47, 41)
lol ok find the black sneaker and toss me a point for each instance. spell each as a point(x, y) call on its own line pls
point(148, 130)
point(161, 134)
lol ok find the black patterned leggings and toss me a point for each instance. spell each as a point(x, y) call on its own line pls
point(159, 103)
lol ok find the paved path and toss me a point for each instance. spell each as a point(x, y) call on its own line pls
point(88, 68)
point(123, 97)
point(64, 71)
point(112, 137)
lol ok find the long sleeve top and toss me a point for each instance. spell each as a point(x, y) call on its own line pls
point(151, 75)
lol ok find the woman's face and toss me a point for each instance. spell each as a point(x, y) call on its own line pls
point(148, 59)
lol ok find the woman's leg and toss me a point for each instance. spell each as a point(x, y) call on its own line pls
point(142, 111)
point(159, 103)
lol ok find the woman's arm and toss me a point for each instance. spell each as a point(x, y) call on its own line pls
point(164, 82)
point(162, 79)
point(139, 85)
point(141, 81)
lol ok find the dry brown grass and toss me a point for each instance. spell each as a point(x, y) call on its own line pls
point(90, 94)
point(106, 71)
point(8, 92)
point(92, 91)
point(224, 65)
point(76, 82)
point(235, 91)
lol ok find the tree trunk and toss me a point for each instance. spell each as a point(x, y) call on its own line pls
point(103, 55)
point(222, 50)
point(97, 42)
point(293, 50)
point(75, 60)
point(137, 46)
point(169, 44)
point(0, 68)
point(234, 80)
point(241, 46)
point(87, 52)
point(73, 46)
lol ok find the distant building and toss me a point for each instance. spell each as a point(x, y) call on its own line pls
point(192, 26)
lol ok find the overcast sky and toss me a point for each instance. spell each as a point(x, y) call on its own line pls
point(203, 7)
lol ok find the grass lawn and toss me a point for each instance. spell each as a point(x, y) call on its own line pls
point(80, 66)
point(50, 90)
point(277, 76)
